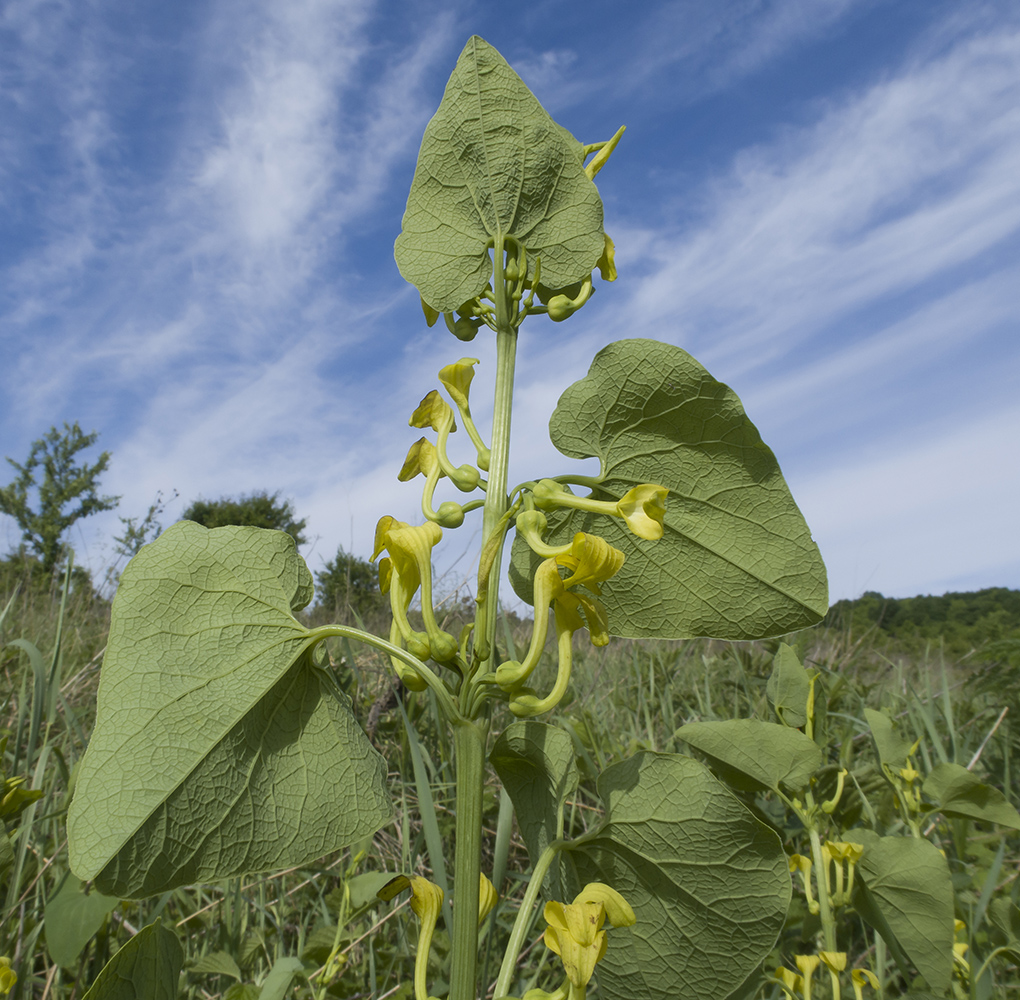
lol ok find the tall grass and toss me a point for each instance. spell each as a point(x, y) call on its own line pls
point(630, 695)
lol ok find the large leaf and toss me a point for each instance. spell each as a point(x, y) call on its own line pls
point(146, 968)
point(72, 917)
point(737, 560)
point(892, 746)
point(960, 793)
point(708, 882)
point(219, 748)
point(908, 881)
point(789, 687)
point(535, 762)
point(768, 754)
point(493, 163)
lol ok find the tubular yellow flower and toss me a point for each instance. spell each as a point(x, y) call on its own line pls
point(607, 262)
point(790, 981)
point(642, 508)
point(575, 933)
point(591, 561)
point(604, 151)
point(8, 977)
point(433, 411)
point(421, 461)
point(807, 965)
point(487, 897)
point(410, 551)
point(797, 862)
point(835, 962)
point(456, 380)
point(426, 902)
point(860, 977)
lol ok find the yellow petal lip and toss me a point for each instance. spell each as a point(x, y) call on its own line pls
point(433, 411)
point(487, 897)
point(643, 509)
point(421, 460)
point(618, 911)
point(456, 380)
point(591, 561)
point(607, 262)
point(834, 960)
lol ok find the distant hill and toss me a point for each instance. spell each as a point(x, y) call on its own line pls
point(961, 621)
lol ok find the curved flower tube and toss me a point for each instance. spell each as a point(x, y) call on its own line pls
point(456, 380)
point(575, 933)
point(642, 508)
point(410, 551)
point(426, 901)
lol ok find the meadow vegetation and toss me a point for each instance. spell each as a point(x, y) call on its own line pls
point(628, 696)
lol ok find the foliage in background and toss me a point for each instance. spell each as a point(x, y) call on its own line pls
point(348, 584)
point(960, 620)
point(258, 510)
point(67, 491)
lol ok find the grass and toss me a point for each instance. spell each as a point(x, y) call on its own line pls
point(628, 696)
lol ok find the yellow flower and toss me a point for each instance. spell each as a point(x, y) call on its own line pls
point(433, 411)
point(410, 552)
point(807, 965)
point(790, 981)
point(643, 509)
point(607, 262)
point(426, 902)
point(575, 933)
point(860, 977)
point(456, 380)
point(799, 863)
point(487, 897)
point(431, 315)
point(591, 561)
point(8, 977)
point(421, 461)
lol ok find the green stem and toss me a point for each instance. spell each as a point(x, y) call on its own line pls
point(470, 737)
point(520, 928)
point(469, 757)
point(822, 884)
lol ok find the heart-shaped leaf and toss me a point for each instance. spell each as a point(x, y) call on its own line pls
point(763, 754)
point(789, 687)
point(493, 163)
point(220, 748)
point(960, 793)
point(908, 882)
point(737, 560)
point(146, 968)
point(892, 746)
point(72, 917)
point(535, 762)
point(708, 882)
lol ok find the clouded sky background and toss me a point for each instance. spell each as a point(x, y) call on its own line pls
point(819, 199)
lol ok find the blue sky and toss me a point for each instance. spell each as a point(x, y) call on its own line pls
point(819, 199)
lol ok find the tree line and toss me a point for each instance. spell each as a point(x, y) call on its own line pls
point(55, 487)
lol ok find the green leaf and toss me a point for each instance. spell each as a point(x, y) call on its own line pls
point(909, 883)
point(146, 968)
point(1005, 915)
point(72, 918)
point(241, 991)
point(960, 793)
point(365, 886)
point(493, 163)
point(535, 762)
point(789, 687)
point(768, 754)
point(217, 963)
point(708, 882)
point(737, 560)
point(278, 981)
point(893, 748)
point(220, 748)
